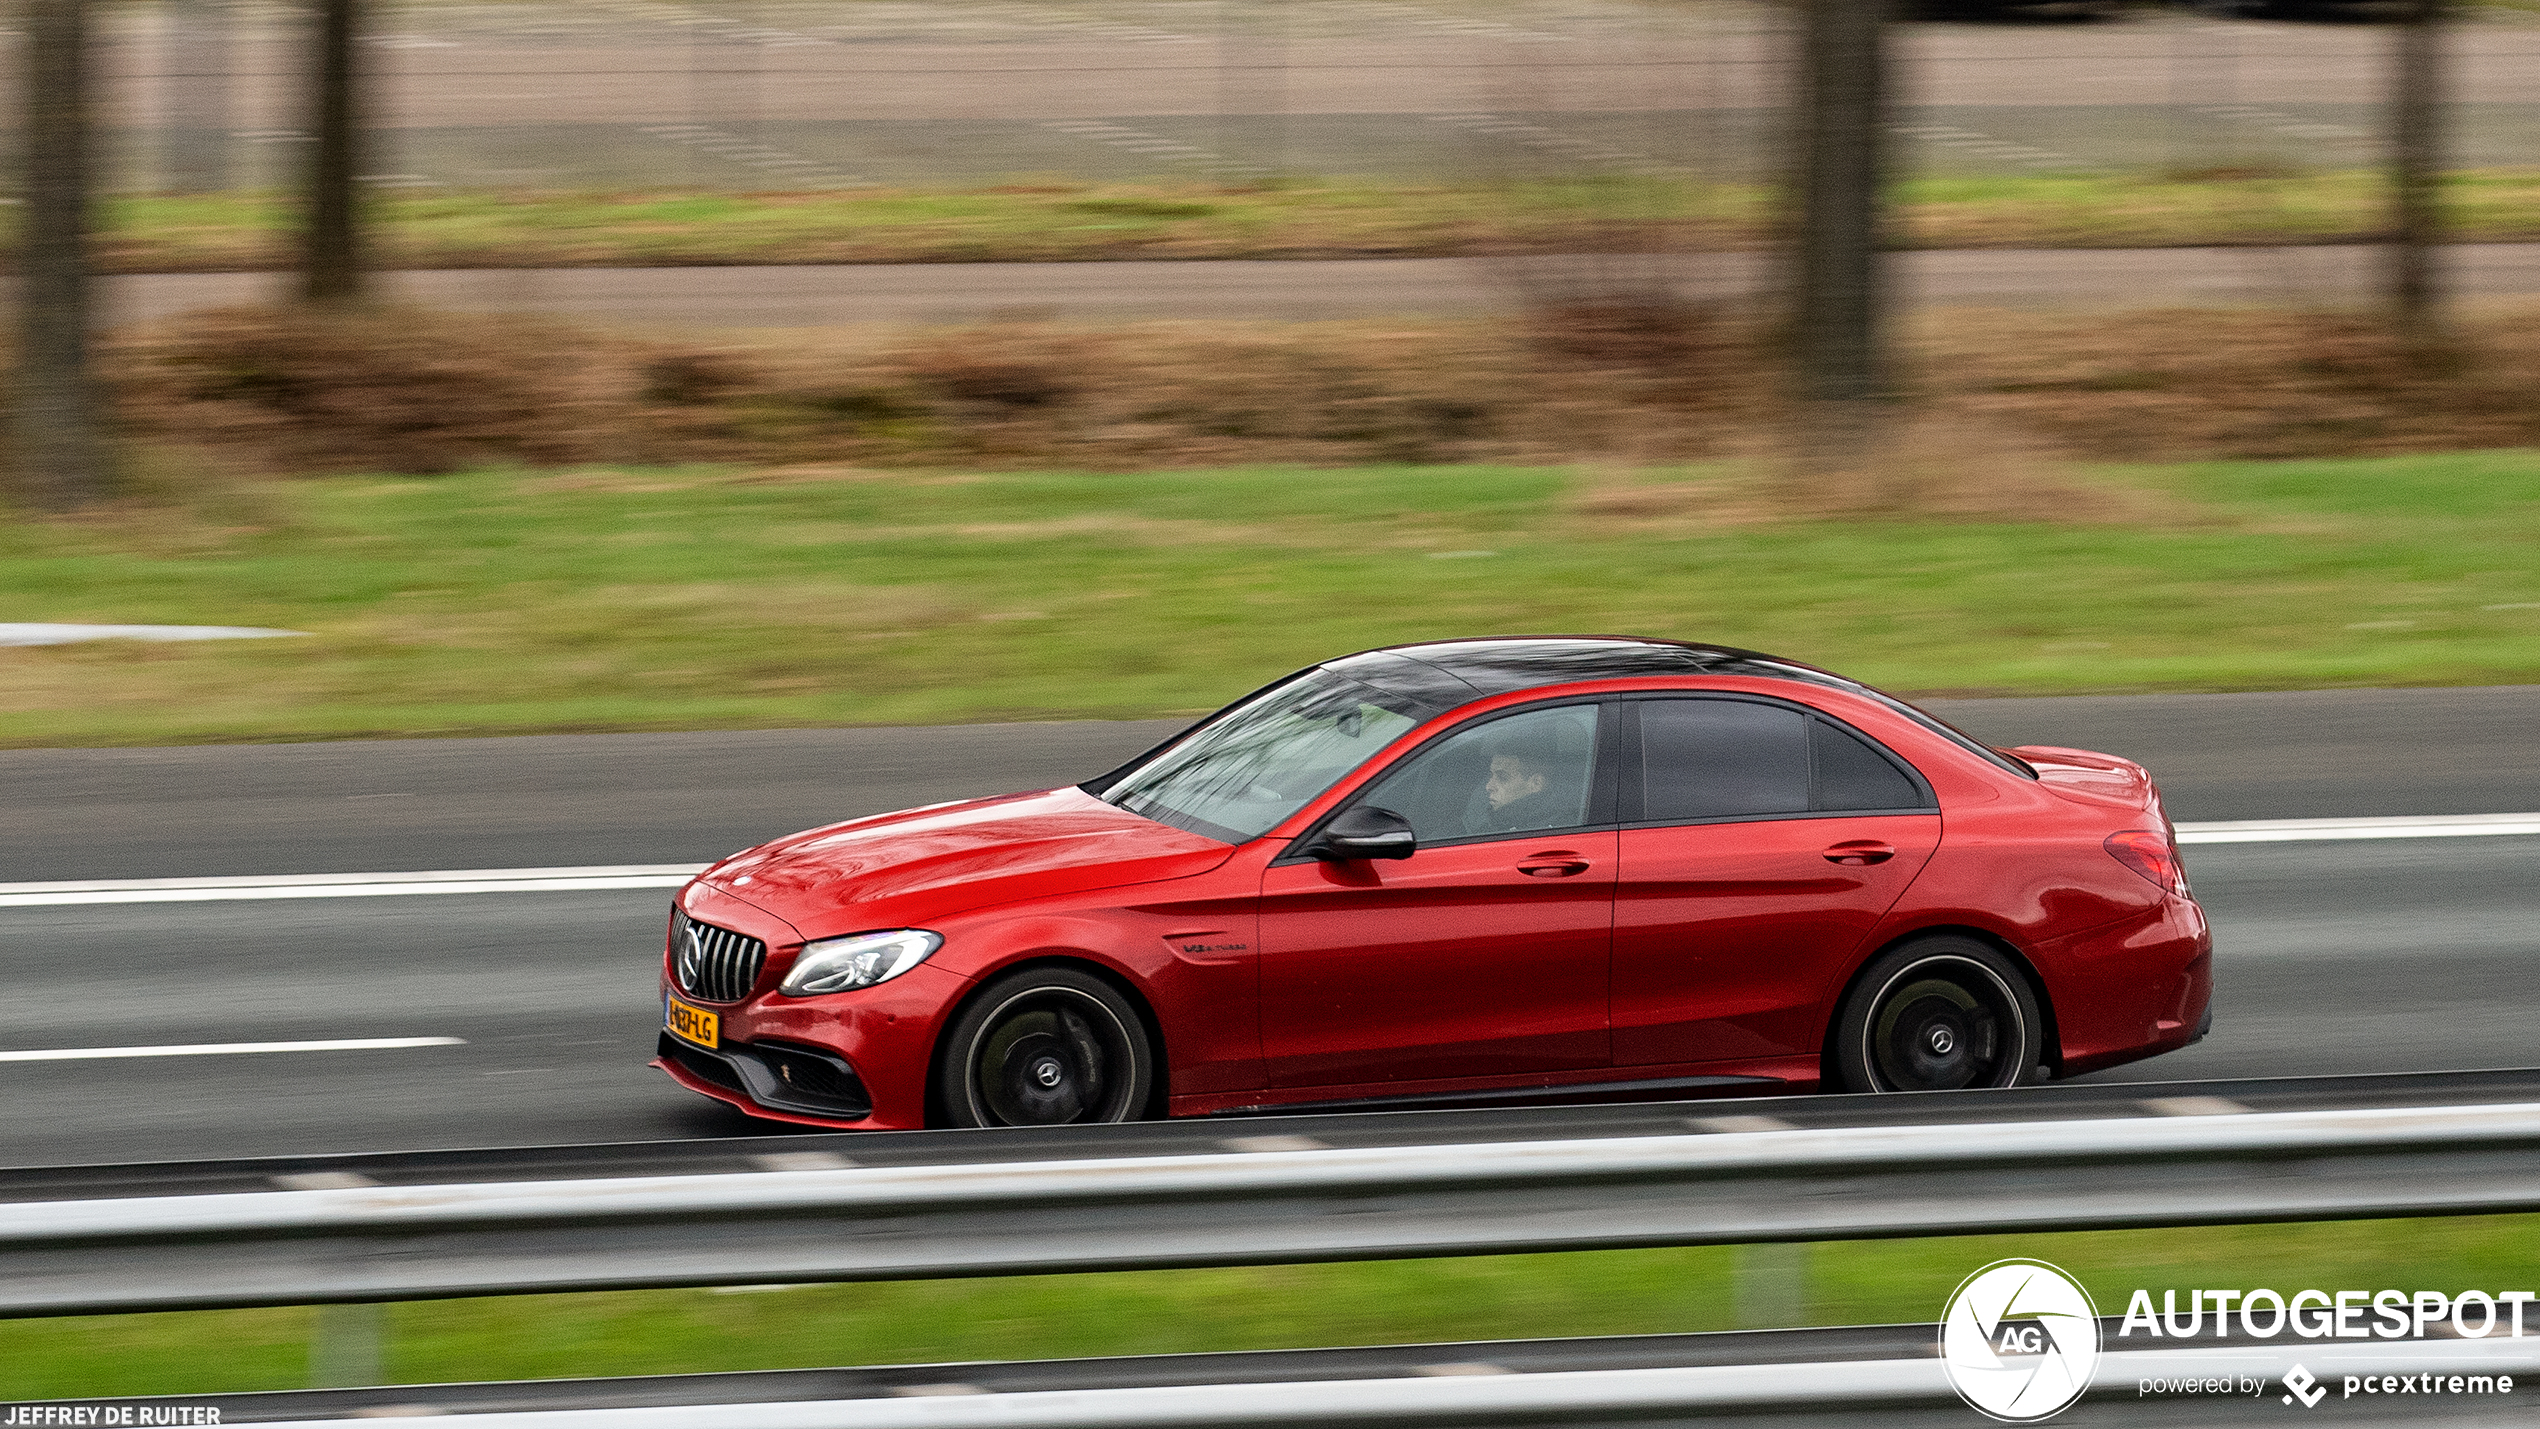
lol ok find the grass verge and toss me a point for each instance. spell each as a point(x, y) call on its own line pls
point(1299, 218)
point(502, 602)
point(1161, 1312)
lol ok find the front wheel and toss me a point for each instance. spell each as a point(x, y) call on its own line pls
point(1045, 1047)
point(1936, 1015)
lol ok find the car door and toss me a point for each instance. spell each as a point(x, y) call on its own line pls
point(1485, 953)
point(1761, 843)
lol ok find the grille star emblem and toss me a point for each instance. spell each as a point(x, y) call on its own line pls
point(692, 957)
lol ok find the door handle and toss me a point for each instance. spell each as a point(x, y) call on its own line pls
point(1553, 863)
point(1860, 853)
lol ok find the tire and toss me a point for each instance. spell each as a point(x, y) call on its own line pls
point(1938, 1014)
point(1045, 1047)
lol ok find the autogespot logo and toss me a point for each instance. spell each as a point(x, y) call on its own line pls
point(2020, 1340)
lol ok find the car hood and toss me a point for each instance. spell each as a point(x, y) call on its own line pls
point(910, 868)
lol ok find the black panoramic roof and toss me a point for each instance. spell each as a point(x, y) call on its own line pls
point(1446, 673)
point(1433, 678)
point(1454, 671)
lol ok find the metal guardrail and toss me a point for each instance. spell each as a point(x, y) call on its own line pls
point(1499, 1358)
point(1880, 1374)
point(1583, 1396)
point(387, 1243)
point(1189, 1136)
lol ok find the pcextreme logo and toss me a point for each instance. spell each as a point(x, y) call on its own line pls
point(2301, 1384)
point(2020, 1340)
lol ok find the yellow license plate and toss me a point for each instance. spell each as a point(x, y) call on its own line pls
point(690, 1024)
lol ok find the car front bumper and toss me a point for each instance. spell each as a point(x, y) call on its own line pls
point(856, 1060)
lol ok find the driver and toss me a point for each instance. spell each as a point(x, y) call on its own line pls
point(1520, 790)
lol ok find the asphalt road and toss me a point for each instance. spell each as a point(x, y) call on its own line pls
point(2334, 957)
point(829, 295)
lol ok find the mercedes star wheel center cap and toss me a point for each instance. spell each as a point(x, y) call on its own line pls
point(1941, 1042)
point(1048, 1073)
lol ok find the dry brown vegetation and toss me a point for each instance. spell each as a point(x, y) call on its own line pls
point(2194, 383)
point(1994, 397)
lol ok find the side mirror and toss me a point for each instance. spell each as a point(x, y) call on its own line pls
point(1366, 832)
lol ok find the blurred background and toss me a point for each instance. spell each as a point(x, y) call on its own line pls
point(757, 96)
point(1463, 127)
point(619, 366)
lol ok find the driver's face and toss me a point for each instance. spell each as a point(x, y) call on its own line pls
point(1510, 781)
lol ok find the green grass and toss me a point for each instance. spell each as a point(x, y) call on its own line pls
point(1032, 221)
point(1297, 218)
point(1591, 1293)
point(499, 602)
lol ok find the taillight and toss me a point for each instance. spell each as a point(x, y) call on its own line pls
point(2150, 853)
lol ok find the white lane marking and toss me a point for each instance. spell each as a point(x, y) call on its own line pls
point(345, 885)
point(2425, 826)
point(673, 875)
point(228, 1049)
point(57, 634)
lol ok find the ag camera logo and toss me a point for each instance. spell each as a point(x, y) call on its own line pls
point(2020, 1340)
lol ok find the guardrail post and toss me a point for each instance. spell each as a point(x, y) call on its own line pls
point(1771, 1288)
point(346, 1346)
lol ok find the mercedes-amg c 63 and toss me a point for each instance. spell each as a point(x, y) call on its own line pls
point(1457, 873)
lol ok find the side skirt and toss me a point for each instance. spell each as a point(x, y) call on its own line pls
point(1662, 1089)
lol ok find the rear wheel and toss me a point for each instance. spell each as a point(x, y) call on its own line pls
point(1938, 1014)
point(1045, 1047)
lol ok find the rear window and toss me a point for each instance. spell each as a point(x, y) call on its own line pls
point(1852, 776)
point(1775, 669)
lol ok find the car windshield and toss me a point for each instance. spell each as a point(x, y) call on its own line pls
point(1237, 776)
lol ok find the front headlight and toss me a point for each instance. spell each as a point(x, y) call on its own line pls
point(844, 964)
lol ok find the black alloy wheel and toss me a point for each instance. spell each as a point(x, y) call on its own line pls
point(1046, 1047)
point(1936, 1015)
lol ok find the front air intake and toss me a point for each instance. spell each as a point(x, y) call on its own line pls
point(713, 964)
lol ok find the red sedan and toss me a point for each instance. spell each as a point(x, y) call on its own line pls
point(1458, 873)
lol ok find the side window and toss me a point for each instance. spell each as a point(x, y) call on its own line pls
point(1852, 776)
point(1503, 776)
point(1721, 759)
